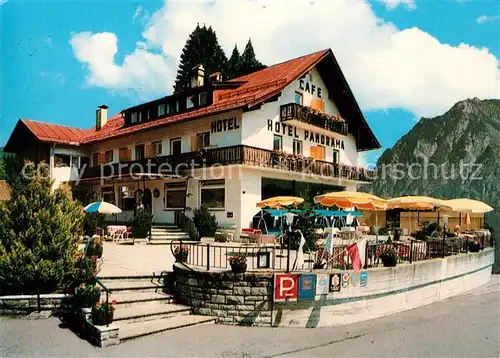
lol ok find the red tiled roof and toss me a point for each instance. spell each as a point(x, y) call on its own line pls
point(257, 87)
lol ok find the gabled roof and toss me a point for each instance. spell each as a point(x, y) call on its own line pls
point(245, 92)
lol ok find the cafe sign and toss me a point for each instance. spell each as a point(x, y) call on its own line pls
point(306, 85)
point(313, 137)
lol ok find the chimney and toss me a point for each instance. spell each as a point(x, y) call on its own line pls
point(197, 76)
point(215, 77)
point(101, 117)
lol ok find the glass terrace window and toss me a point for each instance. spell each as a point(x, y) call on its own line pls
point(213, 194)
point(277, 142)
point(190, 102)
point(133, 117)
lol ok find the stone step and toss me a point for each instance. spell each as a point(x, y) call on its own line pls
point(144, 312)
point(116, 285)
point(130, 331)
point(127, 299)
point(164, 229)
point(170, 235)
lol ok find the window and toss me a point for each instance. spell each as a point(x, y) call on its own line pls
point(297, 147)
point(124, 154)
point(61, 160)
point(148, 115)
point(157, 148)
point(126, 197)
point(203, 99)
point(75, 162)
point(108, 195)
point(161, 110)
point(175, 195)
point(139, 152)
point(203, 140)
point(336, 157)
point(169, 108)
point(139, 116)
point(213, 194)
point(95, 159)
point(176, 106)
point(318, 152)
point(190, 102)
point(133, 117)
point(175, 146)
point(109, 156)
point(298, 98)
point(277, 142)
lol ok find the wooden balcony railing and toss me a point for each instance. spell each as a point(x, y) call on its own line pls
point(257, 157)
point(307, 115)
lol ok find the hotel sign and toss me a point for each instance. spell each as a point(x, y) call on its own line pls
point(226, 124)
point(291, 131)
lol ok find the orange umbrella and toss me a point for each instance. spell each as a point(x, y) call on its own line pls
point(279, 201)
point(349, 199)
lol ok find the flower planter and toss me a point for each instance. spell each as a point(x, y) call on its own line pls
point(239, 268)
point(101, 319)
point(181, 257)
point(84, 301)
point(389, 261)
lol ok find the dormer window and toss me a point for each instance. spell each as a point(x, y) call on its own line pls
point(139, 116)
point(190, 102)
point(161, 110)
point(176, 106)
point(203, 99)
point(133, 117)
point(169, 108)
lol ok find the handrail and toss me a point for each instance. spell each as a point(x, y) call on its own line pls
point(89, 271)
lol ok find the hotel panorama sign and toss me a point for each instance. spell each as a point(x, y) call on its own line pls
point(291, 131)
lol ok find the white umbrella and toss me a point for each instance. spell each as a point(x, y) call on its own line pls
point(102, 207)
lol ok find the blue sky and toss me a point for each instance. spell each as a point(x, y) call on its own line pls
point(404, 59)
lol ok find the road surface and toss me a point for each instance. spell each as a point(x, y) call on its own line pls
point(464, 326)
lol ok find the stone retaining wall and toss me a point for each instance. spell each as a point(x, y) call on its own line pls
point(24, 304)
point(239, 299)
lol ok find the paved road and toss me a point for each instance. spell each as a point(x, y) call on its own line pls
point(464, 326)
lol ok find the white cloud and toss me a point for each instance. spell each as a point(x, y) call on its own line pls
point(392, 4)
point(484, 19)
point(385, 66)
point(142, 71)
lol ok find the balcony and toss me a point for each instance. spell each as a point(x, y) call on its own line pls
point(180, 165)
point(293, 111)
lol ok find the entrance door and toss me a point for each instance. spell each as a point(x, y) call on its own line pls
point(147, 200)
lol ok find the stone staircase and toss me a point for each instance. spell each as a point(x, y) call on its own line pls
point(143, 308)
point(164, 234)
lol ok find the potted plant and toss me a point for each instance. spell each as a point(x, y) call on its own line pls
point(238, 263)
point(141, 224)
point(181, 253)
point(389, 257)
point(473, 246)
point(87, 296)
point(102, 313)
point(205, 221)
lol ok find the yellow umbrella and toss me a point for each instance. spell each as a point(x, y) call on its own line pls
point(348, 199)
point(415, 203)
point(279, 201)
point(466, 206)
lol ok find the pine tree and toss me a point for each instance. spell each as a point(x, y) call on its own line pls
point(233, 65)
point(39, 232)
point(249, 63)
point(202, 48)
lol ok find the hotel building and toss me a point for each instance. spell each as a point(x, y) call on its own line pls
point(224, 143)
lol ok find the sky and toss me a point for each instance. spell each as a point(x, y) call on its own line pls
point(404, 59)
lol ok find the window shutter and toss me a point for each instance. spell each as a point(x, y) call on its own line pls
point(149, 151)
point(313, 151)
point(194, 143)
point(102, 158)
point(318, 104)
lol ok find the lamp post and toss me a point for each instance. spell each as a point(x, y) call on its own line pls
point(289, 220)
point(445, 222)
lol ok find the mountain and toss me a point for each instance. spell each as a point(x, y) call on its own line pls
point(453, 155)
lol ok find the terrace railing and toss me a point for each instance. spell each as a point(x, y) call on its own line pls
point(294, 111)
point(181, 164)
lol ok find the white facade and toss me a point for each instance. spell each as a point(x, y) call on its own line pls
point(241, 183)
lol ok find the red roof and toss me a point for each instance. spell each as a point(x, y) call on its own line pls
point(256, 88)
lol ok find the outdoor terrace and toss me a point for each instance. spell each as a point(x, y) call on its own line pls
point(307, 115)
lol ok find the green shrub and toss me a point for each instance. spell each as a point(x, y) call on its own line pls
point(93, 221)
point(473, 246)
point(205, 221)
point(39, 232)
